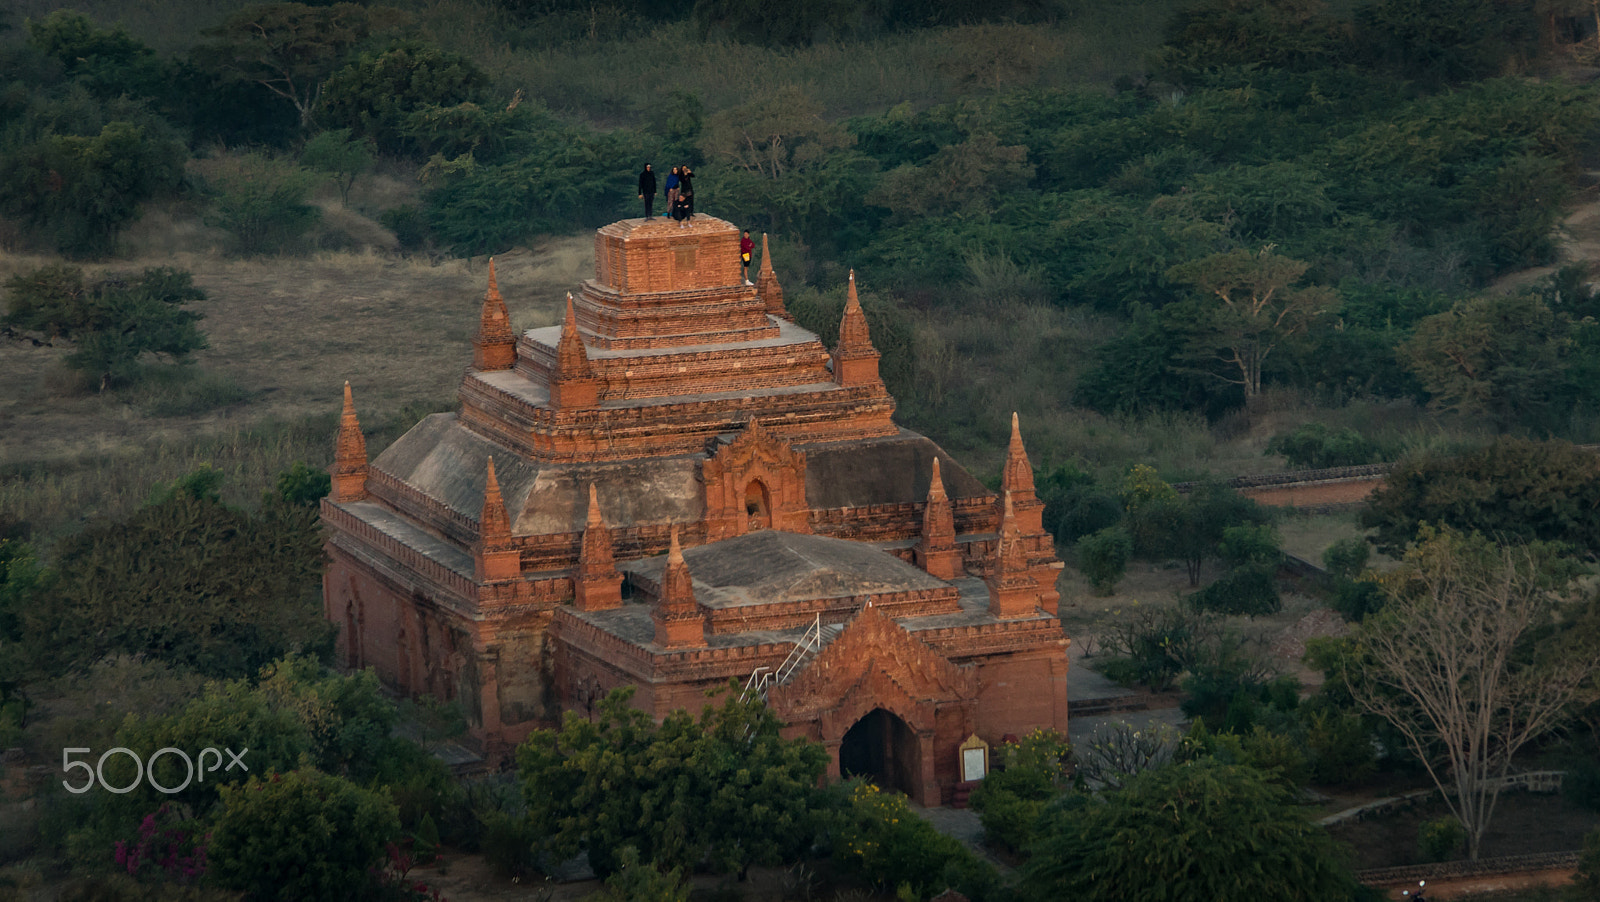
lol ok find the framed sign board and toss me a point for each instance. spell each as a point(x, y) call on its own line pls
point(974, 759)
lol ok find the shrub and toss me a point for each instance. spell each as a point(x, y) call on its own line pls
point(300, 835)
point(1103, 557)
point(884, 840)
point(1316, 446)
point(1250, 591)
point(1347, 557)
point(1441, 839)
point(1339, 747)
point(261, 202)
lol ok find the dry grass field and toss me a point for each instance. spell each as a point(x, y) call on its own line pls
point(284, 333)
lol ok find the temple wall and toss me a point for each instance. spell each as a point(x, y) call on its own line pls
point(1021, 692)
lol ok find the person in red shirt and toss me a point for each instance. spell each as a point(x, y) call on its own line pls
point(745, 248)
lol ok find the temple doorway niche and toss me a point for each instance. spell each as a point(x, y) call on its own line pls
point(882, 748)
point(758, 505)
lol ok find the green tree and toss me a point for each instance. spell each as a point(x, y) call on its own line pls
point(1499, 356)
point(1514, 489)
point(113, 323)
point(725, 787)
point(82, 191)
point(261, 202)
point(109, 62)
point(1250, 307)
point(376, 96)
point(1103, 558)
point(300, 835)
point(189, 581)
point(1198, 831)
point(1447, 664)
point(773, 135)
point(291, 48)
point(340, 155)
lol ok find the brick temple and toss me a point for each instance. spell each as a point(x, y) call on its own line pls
point(679, 487)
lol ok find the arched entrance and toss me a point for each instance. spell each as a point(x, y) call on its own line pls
point(757, 505)
point(882, 748)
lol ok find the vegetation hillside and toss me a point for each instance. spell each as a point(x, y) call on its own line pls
point(1185, 240)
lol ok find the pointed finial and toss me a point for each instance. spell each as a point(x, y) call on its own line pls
point(854, 340)
point(767, 287)
point(572, 358)
point(349, 470)
point(674, 550)
point(936, 484)
point(494, 347)
point(1009, 518)
point(766, 257)
point(494, 524)
point(594, 507)
point(1017, 476)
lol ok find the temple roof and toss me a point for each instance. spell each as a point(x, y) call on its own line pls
point(445, 460)
point(771, 566)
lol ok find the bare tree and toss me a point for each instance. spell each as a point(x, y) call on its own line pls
point(1446, 662)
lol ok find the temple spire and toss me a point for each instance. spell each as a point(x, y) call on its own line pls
point(1013, 592)
point(597, 585)
point(349, 470)
point(855, 360)
point(495, 346)
point(679, 622)
point(1017, 477)
point(767, 287)
point(936, 550)
point(494, 524)
point(495, 558)
point(573, 383)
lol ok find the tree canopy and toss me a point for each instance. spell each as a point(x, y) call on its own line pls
point(1199, 830)
point(1513, 489)
point(724, 787)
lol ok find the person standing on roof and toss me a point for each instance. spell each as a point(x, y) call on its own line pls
point(647, 189)
point(746, 248)
point(672, 190)
point(686, 189)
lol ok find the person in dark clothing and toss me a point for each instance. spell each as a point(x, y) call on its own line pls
point(672, 190)
point(647, 190)
point(679, 207)
point(686, 190)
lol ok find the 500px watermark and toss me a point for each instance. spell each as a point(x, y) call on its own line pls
point(145, 769)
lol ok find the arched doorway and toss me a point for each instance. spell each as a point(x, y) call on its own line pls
point(882, 748)
point(757, 505)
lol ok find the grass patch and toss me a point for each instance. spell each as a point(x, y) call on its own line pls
point(184, 392)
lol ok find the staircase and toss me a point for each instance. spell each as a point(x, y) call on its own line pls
point(816, 638)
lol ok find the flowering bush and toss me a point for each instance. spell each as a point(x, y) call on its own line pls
point(885, 841)
point(393, 882)
point(170, 848)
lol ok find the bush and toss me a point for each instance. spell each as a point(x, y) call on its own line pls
point(1339, 747)
point(1441, 839)
point(1249, 591)
point(300, 835)
point(1316, 446)
point(114, 322)
point(1033, 771)
point(1103, 557)
point(1347, 557)
point(261, 202)
point(885, 841)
